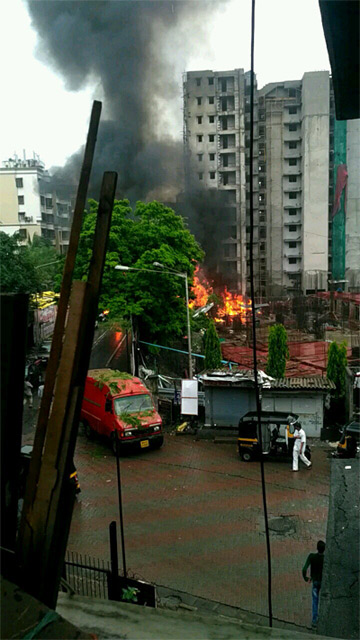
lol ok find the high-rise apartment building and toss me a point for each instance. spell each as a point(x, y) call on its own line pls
point(294, 184)
point(29, 205)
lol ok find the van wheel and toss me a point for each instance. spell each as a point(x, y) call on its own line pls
point(88, 431)
point(245, 456)
point(158, 442)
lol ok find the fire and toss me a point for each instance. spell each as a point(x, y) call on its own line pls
point(233, 304)
point(202, 290)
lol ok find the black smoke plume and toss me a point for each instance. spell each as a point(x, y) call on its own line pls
point(135, 51)
point(211, 219)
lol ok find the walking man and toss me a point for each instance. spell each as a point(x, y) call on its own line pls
point(315, 561)
point(28, 392)
point(299, 447)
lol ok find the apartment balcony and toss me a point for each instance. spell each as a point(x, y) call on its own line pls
point(292, 170)
point(292, 118)
point(292, 153)
point(292, 136)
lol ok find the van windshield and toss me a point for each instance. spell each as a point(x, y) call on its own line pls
point(133, 404)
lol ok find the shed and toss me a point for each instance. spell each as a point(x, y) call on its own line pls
point(229, 395)
point(304, 396)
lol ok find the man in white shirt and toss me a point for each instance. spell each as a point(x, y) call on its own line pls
point(299, 447)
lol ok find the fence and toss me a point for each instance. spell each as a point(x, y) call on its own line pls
point(87, 576)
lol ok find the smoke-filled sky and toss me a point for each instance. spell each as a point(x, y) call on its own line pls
point(46, 111)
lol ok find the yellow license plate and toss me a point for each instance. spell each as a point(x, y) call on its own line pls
point(144, 443)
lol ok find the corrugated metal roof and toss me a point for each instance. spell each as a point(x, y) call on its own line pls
point(317, 383)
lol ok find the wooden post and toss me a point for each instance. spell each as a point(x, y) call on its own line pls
point(44, 537)
point(57, 340)
point(14, 315)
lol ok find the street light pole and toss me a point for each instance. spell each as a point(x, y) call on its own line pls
point(120, 267)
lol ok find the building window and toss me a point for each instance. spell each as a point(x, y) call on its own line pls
point(292, 245)
point(292, 212)
point(211, 137)
point(292, 126)
point(200, 176)
point(198, 101)
point(22, 234)
point(211, 81)
point(211, 119)
point(292, 145)
point(292, 228)
point(212, 175)
point(262, 232)
point(200, 157)
point(21, 200)
point(42, 200)
point(292, 196)
point(292, 179)
point(292, 260)
point(292, 93)
point(292, 111)
point(48, 203)
point(198, 82)
point(211, 157)
point(199, 138)
point(211, 100)
point(292, 162)
point(19, 183)
point(199, 119)
point(262, 246)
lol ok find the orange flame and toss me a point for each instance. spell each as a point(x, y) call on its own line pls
point(233, 304)
point(202, 290)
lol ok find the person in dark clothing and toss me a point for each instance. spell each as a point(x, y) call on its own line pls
point(315, 561)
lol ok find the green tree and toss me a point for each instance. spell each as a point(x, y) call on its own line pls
point(212, 348)
point(278, 351)
point(336, 367)
point(18, 262)
point(151, 233)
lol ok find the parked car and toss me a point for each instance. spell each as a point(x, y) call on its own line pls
point(277, 430)
point(115, 402)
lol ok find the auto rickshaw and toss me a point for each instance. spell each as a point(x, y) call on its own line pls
point(349, 442)
point(277, 430)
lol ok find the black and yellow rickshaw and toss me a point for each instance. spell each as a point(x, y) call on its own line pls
point(277, 430)
point(348, 444)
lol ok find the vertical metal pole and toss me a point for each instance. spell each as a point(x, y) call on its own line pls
point(114, 561)
point(188, 324)
point(133, 368)
point(120, 503)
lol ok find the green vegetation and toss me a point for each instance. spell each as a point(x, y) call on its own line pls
point(278, 351)
point(138, 238)
point(212, 348)
point(18, 262)
point(336, 367)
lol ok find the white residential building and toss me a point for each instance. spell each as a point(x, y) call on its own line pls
point(293, 176)
point(28, 204)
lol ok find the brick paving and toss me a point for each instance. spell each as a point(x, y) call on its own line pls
point(194, 522)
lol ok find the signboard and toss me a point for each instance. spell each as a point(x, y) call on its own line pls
point(189, 397)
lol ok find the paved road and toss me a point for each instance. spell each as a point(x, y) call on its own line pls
point(193, 520)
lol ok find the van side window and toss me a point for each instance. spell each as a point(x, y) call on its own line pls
point(108, 405)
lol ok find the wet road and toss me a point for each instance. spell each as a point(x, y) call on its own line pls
point(194, 520)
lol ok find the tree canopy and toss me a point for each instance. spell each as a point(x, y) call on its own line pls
point(212, 348)
point(150, 233)
point(336, 367)
point(18, 262)
point(278, 351)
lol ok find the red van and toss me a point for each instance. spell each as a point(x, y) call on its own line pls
point(115, 401)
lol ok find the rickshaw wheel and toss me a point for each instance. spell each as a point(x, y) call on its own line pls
point(245, 456)
point(88, 431)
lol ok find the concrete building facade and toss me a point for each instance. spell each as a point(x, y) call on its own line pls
point(29, 206)
point(293, 172)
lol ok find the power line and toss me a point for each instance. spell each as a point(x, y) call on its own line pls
point(252, 294)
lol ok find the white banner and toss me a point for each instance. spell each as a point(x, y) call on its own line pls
point(189, 397)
